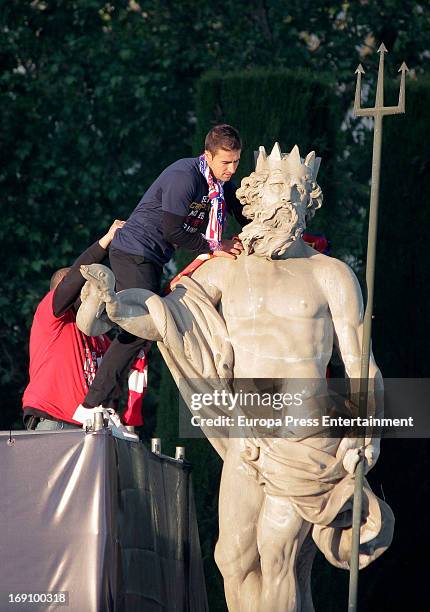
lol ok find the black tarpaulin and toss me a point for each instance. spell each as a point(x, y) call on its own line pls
point(104, 520)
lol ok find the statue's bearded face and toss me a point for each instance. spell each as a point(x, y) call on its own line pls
point(279, 207)
point(280, 190)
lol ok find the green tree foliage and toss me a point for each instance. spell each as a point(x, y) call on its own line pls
point(97, 97)
point(87, 100)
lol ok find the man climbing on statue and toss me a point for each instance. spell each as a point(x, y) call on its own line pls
point(185, 207)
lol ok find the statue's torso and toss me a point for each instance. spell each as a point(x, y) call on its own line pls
point(277, 317)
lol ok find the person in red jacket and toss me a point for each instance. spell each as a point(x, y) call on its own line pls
point(63, 360)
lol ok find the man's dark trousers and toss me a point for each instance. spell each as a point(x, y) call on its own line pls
point(130, 271)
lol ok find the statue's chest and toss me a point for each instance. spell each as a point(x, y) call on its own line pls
point(280, 289)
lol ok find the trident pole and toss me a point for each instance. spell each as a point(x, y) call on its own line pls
point(378, 112)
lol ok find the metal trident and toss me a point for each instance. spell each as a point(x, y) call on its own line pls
point(378, 112)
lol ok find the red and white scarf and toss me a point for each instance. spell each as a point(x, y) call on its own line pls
point(217, 211)
point(137, 385)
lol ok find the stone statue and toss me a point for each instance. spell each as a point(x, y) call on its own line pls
point(274, 314)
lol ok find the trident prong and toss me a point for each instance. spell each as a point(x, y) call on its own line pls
point(357, 101)
point(379, 103)
point(378, 112)
point(403, 69)
point(379, 108)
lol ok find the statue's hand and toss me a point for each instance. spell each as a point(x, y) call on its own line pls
point(350, 453)
point(101, 278)
point(371, 452)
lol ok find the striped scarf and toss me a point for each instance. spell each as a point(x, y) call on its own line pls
point(218, 207)
point(137, 385)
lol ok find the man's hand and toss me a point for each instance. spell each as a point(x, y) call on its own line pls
point(350, 453)
point(105, 241)
point(229, 248)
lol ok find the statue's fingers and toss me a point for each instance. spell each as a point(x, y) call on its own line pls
point(345, 445)
point(351, 460)
point(371, 454)
point(85, 272)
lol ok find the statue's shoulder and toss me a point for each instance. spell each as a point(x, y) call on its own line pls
point(334, 276)
point(213, 271)
point(331, 264)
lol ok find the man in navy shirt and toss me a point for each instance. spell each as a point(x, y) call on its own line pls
point(189, 197)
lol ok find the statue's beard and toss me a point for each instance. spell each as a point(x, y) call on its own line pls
point(273, 231)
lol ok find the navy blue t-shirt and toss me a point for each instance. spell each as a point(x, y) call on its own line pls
point(173, 212)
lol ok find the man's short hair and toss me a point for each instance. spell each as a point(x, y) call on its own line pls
point(57, 277)
point(223, 137)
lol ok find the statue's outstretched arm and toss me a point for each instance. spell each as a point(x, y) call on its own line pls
point(128, 308)
point(130, 311)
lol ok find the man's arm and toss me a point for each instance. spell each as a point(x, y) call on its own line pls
point(346, 307)
point(68, 290)
point(174, 232)
point(177, 195)
point(176, 199)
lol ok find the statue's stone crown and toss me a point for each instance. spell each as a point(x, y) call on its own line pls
point(290, 164)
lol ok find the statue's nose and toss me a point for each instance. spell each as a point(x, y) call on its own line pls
point(286, 194)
